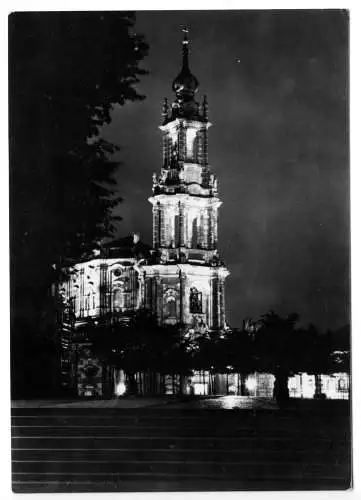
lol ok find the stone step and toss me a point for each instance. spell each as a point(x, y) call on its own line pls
point(206, 455)
point(179, 421)
point(150, 442)
point(225, 431)
point(168, 483)
point(120, 450)
point(312, 408)
point(112, 471)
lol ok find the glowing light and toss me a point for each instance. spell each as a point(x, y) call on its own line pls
point(120, 389)
point(200, 389)
point(251, 383)
point(230, 402)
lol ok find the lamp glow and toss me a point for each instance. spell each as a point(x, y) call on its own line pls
point(120, 389)
point(251, 384)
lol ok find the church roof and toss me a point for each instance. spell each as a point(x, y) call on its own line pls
point(128, 246)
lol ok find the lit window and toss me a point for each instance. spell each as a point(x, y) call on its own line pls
point(191, 134)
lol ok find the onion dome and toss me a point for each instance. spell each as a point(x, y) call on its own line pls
point(185, 84)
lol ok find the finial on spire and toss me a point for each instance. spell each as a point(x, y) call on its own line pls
point(185, 48)
point(185, 84)
point(185, 30)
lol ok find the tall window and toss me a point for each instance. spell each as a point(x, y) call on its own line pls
point(170, 303)
point(194, 243)
point(190, 140)
point(195, 301)
point(171, 308)
point(176, 231)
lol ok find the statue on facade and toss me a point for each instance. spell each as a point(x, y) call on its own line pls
point(163, 176)
point(195, 301)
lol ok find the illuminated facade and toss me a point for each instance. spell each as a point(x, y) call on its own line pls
point(182, 280)
point(186, 283)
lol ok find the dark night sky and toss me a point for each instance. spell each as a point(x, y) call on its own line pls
point(277, 89)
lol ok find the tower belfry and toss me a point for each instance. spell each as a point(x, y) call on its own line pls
point(186, 285)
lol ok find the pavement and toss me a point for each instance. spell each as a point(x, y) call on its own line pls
point(297, 405)
point(127, 403)
point(215, 402)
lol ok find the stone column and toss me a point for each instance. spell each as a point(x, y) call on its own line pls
point(103, 287)
point(215, 227)
point(161, 223)
point(199, 139)
point(166, 150)
point(205, 146)
point(182, 297)
point(210, 228)
point(181, 143)
point(159, 299)
point(81, 296)
point(153, 297)
point(181, 224)
point(215, 303)
point(222, 312)
point(155, 226)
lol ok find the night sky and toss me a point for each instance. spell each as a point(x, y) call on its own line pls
point(277, 89)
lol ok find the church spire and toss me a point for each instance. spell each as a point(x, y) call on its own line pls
point(185, 84)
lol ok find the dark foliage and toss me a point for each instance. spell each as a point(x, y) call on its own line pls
point(67, 71)
point(136, 343)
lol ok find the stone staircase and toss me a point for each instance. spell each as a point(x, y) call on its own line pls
point(165, 449)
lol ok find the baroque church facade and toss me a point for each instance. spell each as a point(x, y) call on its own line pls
point(181, 278)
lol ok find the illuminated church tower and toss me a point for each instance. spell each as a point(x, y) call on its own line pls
point(186, 283)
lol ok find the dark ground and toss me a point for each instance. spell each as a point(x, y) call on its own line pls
point(180, 447)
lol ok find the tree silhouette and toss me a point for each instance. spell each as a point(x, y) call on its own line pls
point(242, 356)
point(277, 350)
point(137, 344)
point(313, 354)
point(67, 71)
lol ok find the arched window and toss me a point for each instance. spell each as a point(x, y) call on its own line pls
point(170, 303)
point(171, 308)
point(190, 142)
point(195, 301)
